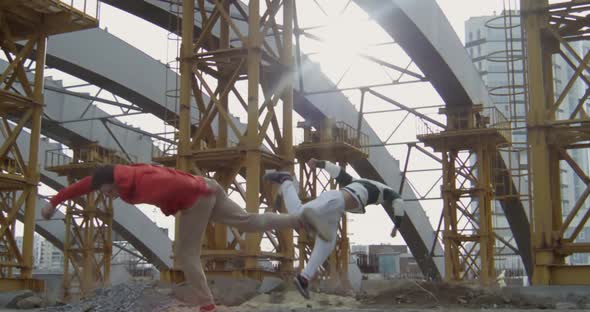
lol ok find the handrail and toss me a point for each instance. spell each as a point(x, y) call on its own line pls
point(88, 8)
point(340, 132)
point(88, 154)
point(487, 118)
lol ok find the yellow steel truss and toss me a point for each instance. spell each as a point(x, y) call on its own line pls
point(469, 147)
point(549, 31)
point(199, 150)
point(24, 27)
point(89, 221)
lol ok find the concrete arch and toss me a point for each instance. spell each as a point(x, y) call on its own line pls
point(423, 31)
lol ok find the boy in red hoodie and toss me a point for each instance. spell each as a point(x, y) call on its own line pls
point(198, 199)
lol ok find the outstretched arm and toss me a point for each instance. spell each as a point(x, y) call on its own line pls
point(77, 189)
point(396, 214)
point(336, 172)
point(394, 205)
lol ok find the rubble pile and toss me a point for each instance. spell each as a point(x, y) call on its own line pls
point(422, 294)
point(122, 297)
point(158, 297)
point(375, 295)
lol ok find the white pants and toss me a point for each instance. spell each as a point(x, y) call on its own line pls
point(330, 207)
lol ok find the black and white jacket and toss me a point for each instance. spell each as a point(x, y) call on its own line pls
point(367, 192)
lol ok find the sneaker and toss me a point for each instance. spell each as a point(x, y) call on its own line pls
point(278, 176)
point(208, 308)
point(302, 285)
point(313, 220)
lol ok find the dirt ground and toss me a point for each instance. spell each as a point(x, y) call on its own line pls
point(409, 293)
point(375, 296)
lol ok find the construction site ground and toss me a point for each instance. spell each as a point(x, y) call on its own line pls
point(375, 296)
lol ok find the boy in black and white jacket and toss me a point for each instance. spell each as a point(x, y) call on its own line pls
point(353, 196)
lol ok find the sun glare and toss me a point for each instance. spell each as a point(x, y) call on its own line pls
point(344, 37)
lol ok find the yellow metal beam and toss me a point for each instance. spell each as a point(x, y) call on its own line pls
point(570, 275)
point(14, 284)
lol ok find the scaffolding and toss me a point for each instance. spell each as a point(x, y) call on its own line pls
point(24, 27)
point(212, 66)
point(553, 136)
point(89, 219)
point(340, 143)
point(469, 147)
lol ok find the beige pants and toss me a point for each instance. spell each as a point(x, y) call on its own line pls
point(218, 208)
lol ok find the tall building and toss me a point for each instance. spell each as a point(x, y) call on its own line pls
point(494, 44)
point(50, 257)
point(46, 257)
point(389, 261)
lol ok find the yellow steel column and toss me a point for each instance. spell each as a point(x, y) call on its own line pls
point(287, 98)
point(224, 80)
point(450, 216)
point(67, 248)
point(486, 233)
point(33, 165)
point(533, 20)
point(89, 278)
point(220, 239)
point(108, 244)
point(253, 156)
point(184, 127)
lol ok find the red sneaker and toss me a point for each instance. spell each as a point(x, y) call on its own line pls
point(208, 308)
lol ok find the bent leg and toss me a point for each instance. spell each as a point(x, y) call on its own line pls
point(192, 225)
point(291, 198)
point(226, 211)
point(321, 251)
point(330, 206)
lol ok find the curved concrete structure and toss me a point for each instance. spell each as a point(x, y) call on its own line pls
point(423, 31)
point(128, 220)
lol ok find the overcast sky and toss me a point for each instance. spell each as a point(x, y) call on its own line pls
point(153, 41)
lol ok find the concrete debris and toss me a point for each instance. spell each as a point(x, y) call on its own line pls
point(409, 293)
point(231, 292)
point(10, 299)
point(566, 306)
point(30, 302)
point(386, 295)
point(270, 284)
point(122, 297)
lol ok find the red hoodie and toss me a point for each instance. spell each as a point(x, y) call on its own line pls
point(171, 190)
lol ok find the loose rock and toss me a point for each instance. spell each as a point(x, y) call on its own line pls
point(30, 302)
